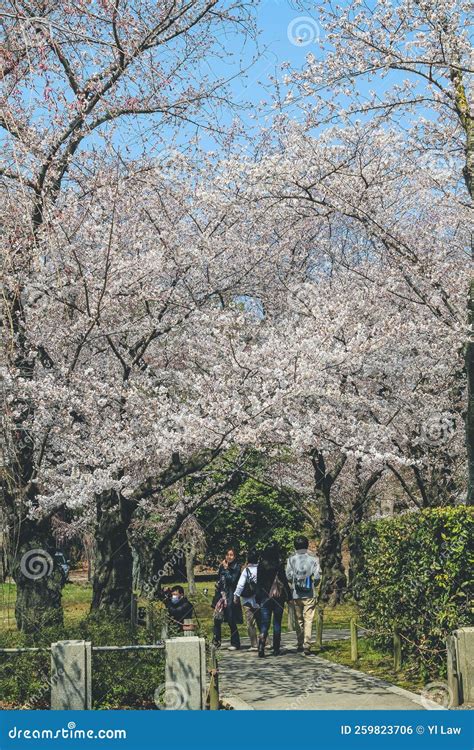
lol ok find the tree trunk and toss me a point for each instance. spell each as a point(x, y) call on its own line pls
point(190, 555)
point(31, 544)
point(38, 580)
point(333, 583)
point(333, 575)
point(358, 512)
point(112, 581)
point(354, 543)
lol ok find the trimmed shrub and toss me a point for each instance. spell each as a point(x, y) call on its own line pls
point(415, 574)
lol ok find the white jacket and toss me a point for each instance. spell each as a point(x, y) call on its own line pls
point(303, 565)
point(252, 569)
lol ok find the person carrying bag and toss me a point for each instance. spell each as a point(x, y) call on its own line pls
point(225, 608)
point(272, 593)
point(246, 591)
point(303, 572)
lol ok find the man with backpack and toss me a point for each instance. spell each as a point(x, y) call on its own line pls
point(246, 590)
point(303, 572)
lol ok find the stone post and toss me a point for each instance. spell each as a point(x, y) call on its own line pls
point(464, 639)
point(185, 674)
point(397, 651)
point(188, 628)
point(319, 628)
point(133, 610)
point(71, 676)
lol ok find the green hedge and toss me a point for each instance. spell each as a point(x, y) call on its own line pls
point(415, 574)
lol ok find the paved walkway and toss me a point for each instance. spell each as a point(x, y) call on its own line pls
point(296, 682)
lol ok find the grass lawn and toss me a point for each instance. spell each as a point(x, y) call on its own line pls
point(76, 602)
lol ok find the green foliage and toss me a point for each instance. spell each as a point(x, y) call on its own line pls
point(416, 575)
point(119, 679)
point(257, 515)
point(24, 680)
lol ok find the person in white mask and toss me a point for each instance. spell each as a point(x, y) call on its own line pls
point(179, 607)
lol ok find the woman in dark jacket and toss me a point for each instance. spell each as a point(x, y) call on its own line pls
point(273, 591)
point(227, 580)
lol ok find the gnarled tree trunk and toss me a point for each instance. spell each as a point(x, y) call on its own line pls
point(112, 581)
point(31, 544)
point(470, 396)
point(38, 579)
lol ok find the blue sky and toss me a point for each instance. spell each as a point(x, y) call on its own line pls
point(286, 34)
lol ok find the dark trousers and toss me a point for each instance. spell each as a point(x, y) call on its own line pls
point(268, 608)
point(234, 633)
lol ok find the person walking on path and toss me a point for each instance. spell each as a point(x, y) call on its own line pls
point(225, 608)
point(272, 593)
point(303, 572)
point(246, 591)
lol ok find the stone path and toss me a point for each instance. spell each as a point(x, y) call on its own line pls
point(293, 681)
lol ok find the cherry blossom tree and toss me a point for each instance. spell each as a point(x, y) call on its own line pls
point(72, 77)
point(139, 340)
point(404, 64)
point(161, 309)
point(368, 321)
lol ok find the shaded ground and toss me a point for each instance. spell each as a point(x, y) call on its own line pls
point(295, 682)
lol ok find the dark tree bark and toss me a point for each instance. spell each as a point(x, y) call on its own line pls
point(333, 582)
point(464, 113)
point(38, 580)
point(112, 583)
point(113, 569)
point(352, 529)
point(30, 541)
